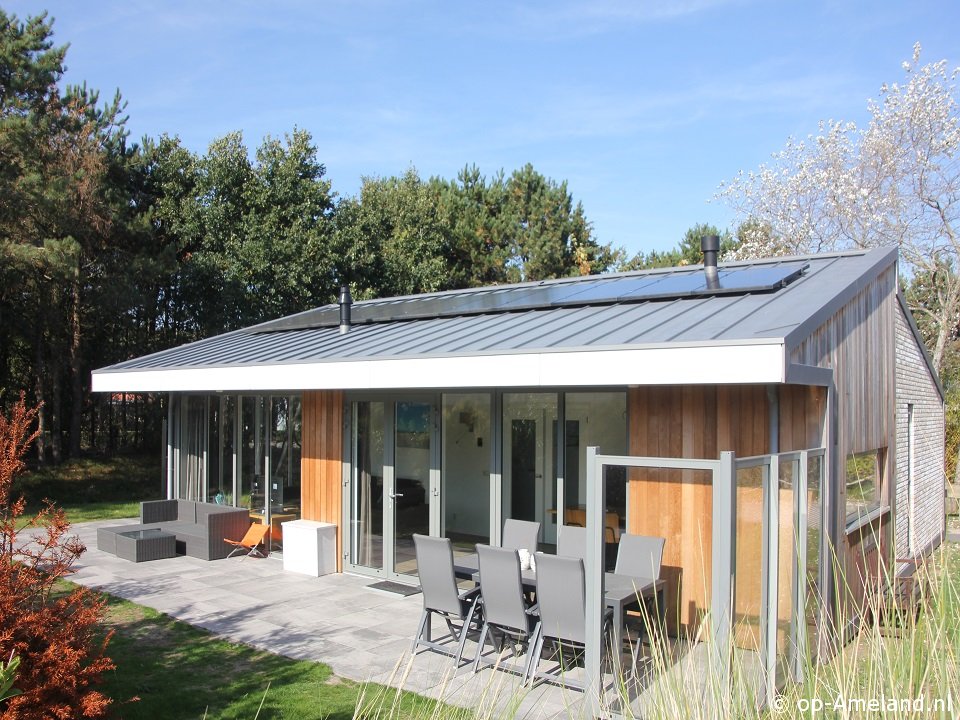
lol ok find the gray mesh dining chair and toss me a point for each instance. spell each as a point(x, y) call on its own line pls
point(561, 602)
point(520, 535)
point(572, 541)
point(504, 609)
point(441, 596)
point(639, 556)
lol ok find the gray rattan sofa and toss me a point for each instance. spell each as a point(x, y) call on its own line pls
point(200, 527)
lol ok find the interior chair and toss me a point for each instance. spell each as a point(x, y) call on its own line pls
point(611, 522)
point(250, 542)
point(520, 535)
point(505, 611)
point(442, 597)
point(572, 541)
point(562, 606)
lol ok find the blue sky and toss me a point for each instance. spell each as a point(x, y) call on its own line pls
point(643, 107)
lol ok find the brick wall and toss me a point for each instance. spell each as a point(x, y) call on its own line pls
point(914, 385)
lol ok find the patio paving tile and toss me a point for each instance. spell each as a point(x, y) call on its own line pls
point(362, 634)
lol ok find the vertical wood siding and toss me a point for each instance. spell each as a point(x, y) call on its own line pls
point(321, 461)
point(859, 344)
point(688, 422)
point(700, 422)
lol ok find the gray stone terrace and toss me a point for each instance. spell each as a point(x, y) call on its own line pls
point(363, 634)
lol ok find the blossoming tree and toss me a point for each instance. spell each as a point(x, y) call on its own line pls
point(895, 181)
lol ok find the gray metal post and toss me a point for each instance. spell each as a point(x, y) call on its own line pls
point(800, 570)
point(594, 566)
point(771, 579)
point(724, 561)
point(496, 465)
point(237, 449)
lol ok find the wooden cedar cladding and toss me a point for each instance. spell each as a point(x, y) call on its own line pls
point(698, 422)
point(859, 344)
point(321, 461)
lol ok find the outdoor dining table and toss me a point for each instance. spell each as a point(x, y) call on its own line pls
point(619, 591)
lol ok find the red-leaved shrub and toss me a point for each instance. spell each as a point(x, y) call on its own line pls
point(54, 633)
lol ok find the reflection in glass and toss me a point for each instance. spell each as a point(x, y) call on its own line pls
point(749, 576)
point(786, 566)
point(252, 468)
point(529, 467)
point(595, 419)
point(366, 517)
point(221, 489)
point(411, 496)
point(814, 591)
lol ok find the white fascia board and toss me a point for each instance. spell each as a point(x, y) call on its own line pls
point(707, 364)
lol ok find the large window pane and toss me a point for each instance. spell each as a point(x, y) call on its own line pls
point(366, 515)
point(863, 483)
point(193, 447)
point(595, 419)
point(529, 458)
point(814, 597)
point(465, 464)
point(749, 575)
point(252, 469)
point(411, 496)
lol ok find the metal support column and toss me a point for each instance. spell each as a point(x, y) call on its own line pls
point(724, 564)
point(771, 577)
point(593, 568)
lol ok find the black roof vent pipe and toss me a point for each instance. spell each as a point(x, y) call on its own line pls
point(345, 303)
point(710, 244)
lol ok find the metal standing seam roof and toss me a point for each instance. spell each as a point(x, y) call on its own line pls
point(505, 321)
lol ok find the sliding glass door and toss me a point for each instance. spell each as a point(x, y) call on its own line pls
point(394, 484)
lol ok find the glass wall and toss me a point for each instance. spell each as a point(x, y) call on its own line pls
point(814, 590)
point(529, 459)
point(193, 448)
point(465, 462)
point(595, 419)
point(366, 491)
point(411, 487)
point(242, 451)
point(223, 413)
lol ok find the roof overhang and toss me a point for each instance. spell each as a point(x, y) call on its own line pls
point(742, 363)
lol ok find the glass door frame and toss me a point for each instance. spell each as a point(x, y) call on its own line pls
point(390, 401)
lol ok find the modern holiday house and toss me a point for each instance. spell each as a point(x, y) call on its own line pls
point(447, 413)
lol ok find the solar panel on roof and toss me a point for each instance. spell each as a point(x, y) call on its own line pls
point(596, 290)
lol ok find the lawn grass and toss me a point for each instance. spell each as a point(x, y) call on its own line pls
point(94, 488)
point(169, 669)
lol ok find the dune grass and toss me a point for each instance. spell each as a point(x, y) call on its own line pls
point(904, 665)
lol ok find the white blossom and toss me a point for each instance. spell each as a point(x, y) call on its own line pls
point(895, 181)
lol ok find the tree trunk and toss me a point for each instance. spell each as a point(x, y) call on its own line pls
point(76, 369)
point(56, 412)
point(39, 388)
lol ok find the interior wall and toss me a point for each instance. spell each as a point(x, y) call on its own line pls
point(465, 460)
point(321, 462)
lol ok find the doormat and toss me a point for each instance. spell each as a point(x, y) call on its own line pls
point(394, 588)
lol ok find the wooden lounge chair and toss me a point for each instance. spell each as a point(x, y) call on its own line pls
point(250, 542)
